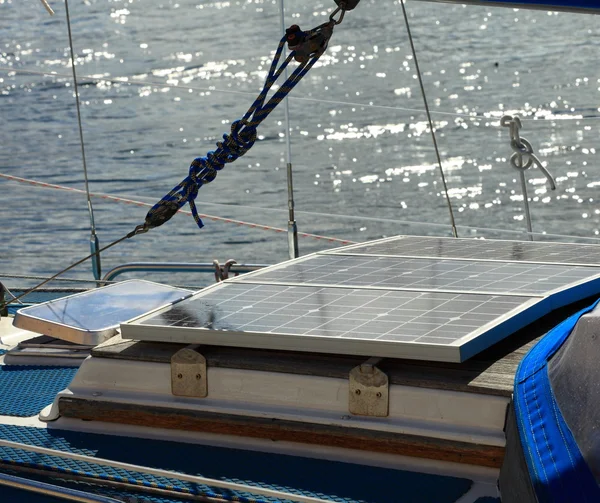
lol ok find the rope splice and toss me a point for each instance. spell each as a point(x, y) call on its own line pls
point(306, 48)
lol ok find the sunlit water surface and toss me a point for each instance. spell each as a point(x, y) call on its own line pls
point(179, 72)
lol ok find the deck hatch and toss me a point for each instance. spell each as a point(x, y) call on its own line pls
point(93, 316)
point(348, 302)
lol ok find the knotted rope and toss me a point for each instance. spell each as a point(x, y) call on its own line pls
point(308, 48)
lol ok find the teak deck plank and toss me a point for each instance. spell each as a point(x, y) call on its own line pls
point(283, 430)
point(490, 372)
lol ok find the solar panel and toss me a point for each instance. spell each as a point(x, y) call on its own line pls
point(405, 297)
point(425, 274)
point(478, 249)
point(431, 325)
point(93, 316)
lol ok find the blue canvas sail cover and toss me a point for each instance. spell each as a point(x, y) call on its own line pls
point(556, 417)
point(586, 6)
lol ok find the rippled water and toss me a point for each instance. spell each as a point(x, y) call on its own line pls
point(362, 153)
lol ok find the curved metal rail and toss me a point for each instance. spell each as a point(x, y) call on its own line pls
point(177, 267)
point(194, 479)
point(52, 490)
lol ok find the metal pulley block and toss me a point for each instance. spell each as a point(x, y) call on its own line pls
point(346, 4)
point(309, 44)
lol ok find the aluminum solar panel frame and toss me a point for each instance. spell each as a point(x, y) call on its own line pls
point(369, 300)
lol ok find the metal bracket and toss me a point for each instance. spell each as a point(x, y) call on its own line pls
point(369, 390)
point(188, 373)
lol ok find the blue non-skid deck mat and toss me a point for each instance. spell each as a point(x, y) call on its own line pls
point(337, 481)
point(26, 390)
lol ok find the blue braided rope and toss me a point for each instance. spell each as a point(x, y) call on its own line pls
point(241, 138)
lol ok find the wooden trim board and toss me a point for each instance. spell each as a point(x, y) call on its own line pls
point(283, 430)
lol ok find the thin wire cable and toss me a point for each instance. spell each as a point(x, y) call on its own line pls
point(128, 80)
point(81, 142)
point(378, 219)
point(433, 138)
point(409, 222)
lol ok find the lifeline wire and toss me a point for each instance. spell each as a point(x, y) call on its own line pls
point(435, 145)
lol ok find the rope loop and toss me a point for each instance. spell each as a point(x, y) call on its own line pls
point(243, 134)
point(523, 157)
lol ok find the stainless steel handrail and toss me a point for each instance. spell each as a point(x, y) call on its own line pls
point(176, 267)
point(52, 490)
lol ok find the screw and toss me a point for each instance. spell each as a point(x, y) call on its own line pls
point(179, 376)
point(379, 394)
point(198, 376)
point(357, 392)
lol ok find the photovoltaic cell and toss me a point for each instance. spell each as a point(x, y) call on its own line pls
point(479, 249)
point(410, 273)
